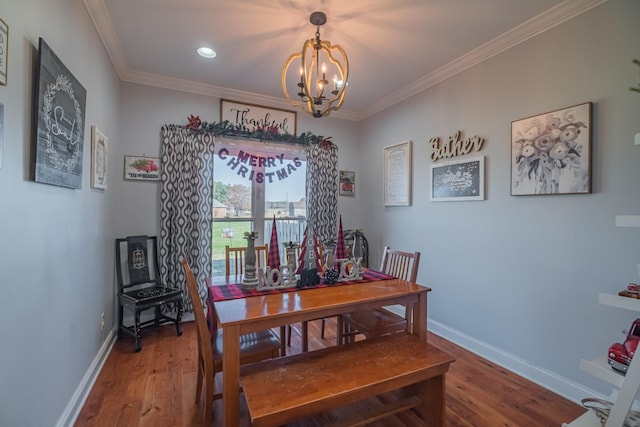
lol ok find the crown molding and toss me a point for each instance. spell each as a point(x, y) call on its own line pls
point(536, 25)
point(188, 86)
point(104, 26)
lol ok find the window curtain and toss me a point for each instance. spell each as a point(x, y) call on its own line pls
point(322, 190)
point(186, 201)
point(186, 206)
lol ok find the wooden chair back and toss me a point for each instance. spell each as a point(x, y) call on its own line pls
point(400, 264)
point(382, 321)
point(205, 351)
point(234, 258)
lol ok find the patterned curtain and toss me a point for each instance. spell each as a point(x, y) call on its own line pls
point(186, 206)
point(322, 190)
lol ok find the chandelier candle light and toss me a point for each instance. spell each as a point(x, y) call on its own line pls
point(318, 96)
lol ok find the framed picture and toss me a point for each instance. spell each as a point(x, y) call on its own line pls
point(58, 132)
point(254, 117)
point(551, 152)
point(397, 175)
point(4, 52)
point(347, 183)
point(99, 150)
point(458, 180)
point(142, 168)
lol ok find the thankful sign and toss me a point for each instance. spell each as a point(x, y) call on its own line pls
point(255, 117)
point(455, 146)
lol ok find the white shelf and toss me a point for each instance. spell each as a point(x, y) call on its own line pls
point(620, 302)
point(599, 368)
point(588, 419)
point(628, 384)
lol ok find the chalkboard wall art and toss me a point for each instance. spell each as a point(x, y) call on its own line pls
point(59, 116)
point(4, 52)
point(458, 180)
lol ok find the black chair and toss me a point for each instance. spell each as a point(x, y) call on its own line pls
point(140, 288)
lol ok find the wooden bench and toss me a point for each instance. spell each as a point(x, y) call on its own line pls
point(281, 390)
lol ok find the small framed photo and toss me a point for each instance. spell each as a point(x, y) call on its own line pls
point(458, 180)
point(141, 168)
point(551, 152)
point(4, 52)
point(397, 175)
point(347, 183)
point(99, 150)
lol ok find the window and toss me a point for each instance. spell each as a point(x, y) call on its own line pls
point(254, 182)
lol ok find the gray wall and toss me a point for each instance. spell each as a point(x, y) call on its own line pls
point(56, 247)
point(146, 109)
point(513, 278)
point(517, 278)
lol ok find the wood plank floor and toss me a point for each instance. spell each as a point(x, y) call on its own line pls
point(156, 387)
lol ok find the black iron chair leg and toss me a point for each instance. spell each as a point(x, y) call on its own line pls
point(136, 330)
point(158, 314)
point(120, 317)
point(179, 318)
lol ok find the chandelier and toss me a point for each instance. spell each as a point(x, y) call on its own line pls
point(318, 59)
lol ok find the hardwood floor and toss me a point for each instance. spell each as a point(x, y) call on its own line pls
point(156, 387)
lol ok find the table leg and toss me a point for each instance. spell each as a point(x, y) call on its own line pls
point(231, 376)
point(420, 316)
point(305, 336)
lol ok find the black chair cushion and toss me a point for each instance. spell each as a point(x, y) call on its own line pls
point(151, 294)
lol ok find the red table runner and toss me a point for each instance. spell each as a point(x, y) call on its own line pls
point(235, 291)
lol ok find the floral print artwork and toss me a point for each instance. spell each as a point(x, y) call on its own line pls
point(551, 153)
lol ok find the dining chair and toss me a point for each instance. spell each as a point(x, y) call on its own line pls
point(234, 265)
point(254, 347)
point(382, 321)
point(140, 287)
point(234, 258)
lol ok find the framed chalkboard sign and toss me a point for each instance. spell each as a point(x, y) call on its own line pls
point(59, 117)
point(458, 180)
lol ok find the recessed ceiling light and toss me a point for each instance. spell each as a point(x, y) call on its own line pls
point(206, 52)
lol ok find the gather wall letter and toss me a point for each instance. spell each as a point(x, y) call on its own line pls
point(454, 146)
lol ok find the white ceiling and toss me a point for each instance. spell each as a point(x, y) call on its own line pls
point(396, 48)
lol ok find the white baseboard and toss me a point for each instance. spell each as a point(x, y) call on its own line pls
point(547, 379)
point(78, 399)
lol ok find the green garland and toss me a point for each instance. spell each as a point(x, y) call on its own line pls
point(264, 134)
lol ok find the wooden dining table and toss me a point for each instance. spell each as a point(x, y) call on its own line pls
point(260, 312)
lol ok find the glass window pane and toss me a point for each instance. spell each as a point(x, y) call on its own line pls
point(285, 198)
point(252, 183)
